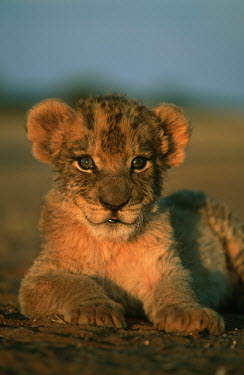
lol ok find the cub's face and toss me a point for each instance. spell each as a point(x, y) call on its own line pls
point(109, 155)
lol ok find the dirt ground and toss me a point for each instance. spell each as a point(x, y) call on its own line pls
point(214, 164)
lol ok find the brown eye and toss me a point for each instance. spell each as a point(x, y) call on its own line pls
point(139, 163)
point(86, 163)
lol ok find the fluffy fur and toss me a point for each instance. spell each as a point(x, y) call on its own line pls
point(112, 244)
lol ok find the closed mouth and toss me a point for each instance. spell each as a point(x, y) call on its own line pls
point(114, 221)
point(111, 221)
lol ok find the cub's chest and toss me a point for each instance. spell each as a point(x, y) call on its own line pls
point(135, 268)
point(132, 265)
point(134, 271)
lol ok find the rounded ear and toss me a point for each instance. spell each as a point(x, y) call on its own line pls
point(175, 133)
point(45, 125)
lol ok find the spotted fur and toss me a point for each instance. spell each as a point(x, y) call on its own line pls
point(112, 244)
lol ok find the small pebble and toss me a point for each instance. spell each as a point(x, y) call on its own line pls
point(221, 371)
point(207, 345)
point(233, 345)
point(169, 366)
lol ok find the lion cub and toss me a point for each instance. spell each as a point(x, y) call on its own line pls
point(112, 244)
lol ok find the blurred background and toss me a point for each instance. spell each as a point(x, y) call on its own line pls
point(187, 52)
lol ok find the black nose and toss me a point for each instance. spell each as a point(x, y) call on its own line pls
point(114, 192)
point(113, 207)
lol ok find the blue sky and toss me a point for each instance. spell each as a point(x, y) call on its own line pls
point(193, 44)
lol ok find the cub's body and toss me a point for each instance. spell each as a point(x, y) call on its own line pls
point(119, 248)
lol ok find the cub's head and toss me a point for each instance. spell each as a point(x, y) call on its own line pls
point(109, 155)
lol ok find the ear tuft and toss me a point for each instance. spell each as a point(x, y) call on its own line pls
point(176, 133)
point(45, 123)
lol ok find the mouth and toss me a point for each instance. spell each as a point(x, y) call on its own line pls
point(110, 221)
point(114, 220)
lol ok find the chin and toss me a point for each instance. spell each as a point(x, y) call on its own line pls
point(114, 232)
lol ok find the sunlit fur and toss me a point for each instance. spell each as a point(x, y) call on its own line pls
point(112, 244)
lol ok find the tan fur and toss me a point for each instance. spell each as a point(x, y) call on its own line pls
point(112, 244)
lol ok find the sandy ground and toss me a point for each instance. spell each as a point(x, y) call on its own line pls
point(214, 164)
point(51, 347)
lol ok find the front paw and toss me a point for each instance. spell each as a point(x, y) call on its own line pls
point(96, 314)
point(174, 318)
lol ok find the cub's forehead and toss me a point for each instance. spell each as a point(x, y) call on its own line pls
point(115, 124)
